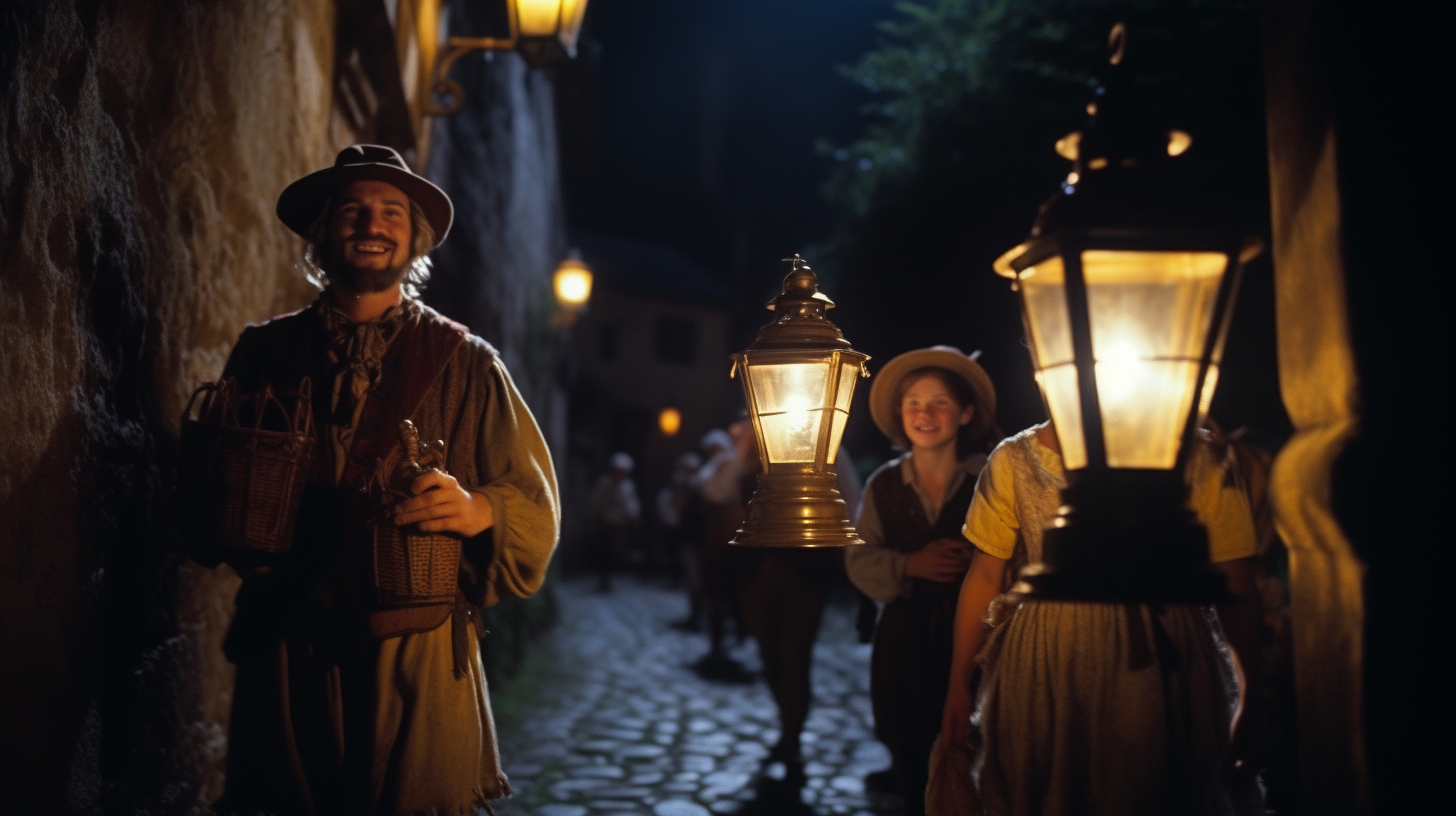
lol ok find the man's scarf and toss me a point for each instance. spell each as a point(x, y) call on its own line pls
point(358, 348)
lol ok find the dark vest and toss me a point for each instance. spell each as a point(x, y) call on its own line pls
point(902, 518)
point(281, 353)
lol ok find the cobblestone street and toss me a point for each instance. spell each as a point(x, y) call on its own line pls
point(617, 722)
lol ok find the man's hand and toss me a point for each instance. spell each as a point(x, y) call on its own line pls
point(441, 505)
point(943, 560)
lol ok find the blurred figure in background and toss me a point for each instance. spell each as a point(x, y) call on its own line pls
point(724, 484)
point(783, 605)
point(616, 516)
point(939, 406)
point(680, 518)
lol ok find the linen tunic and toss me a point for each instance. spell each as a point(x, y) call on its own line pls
point(1099, 707)
point(345, 707)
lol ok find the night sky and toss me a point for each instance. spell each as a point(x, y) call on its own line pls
point(707, 115)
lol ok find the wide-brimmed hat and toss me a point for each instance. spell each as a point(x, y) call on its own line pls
point(886, 386)
point(302, 201)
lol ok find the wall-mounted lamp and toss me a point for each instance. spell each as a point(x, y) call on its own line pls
point(572, 285)
point(544, 31)
point(798, 376)
point(1127, 282)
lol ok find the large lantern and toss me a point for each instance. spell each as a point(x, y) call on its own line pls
point(798, 377)
point(1126, 284)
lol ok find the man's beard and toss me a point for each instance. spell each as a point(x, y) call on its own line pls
point(365, 280)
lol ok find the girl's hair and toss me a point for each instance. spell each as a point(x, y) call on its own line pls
point(980, 435)
point(422, 239)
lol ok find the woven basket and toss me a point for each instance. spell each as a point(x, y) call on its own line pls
point(244, 462)
point(414, 569)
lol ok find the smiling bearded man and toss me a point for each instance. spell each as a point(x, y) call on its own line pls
point(357, 693)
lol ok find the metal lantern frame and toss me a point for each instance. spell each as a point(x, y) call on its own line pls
point(797, 504)
point(1126, 534)
point(1068, 244)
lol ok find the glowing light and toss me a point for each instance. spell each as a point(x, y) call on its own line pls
point(572, 283)
point(669, 421)
point(1068, 146)
point(1178, 142)
point(1120, 373)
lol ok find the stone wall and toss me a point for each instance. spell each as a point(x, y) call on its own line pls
point(142, 148)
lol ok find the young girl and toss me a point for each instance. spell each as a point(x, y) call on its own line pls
point(939, 406)
point(1096, 707)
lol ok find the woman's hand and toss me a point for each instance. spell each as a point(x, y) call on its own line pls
point(943, 561)
point(441, 505)
point(955, 720)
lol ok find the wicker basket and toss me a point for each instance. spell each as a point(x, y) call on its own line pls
point(414, 569)
point(244, 462)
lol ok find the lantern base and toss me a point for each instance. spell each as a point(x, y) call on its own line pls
point(796, 509)
point(1125, 537)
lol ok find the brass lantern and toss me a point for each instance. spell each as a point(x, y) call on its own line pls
point(798, 377)
point(1126, 283)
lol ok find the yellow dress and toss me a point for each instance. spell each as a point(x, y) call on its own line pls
point(1099, 707)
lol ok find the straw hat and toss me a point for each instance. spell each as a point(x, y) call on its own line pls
point(886, 386)
point(303, 200)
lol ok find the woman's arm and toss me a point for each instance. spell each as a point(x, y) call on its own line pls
point(981, 585)
point(1242, 619)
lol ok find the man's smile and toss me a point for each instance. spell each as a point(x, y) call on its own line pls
point(372, 246)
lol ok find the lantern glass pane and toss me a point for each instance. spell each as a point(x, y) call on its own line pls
point(836, 432)
point(1043, 289)
point(1150, 314)
point(790, 401)
point(1059, 390)
point(572, 12)
point(1210, 382)
point(848, 375)
point(539, 18)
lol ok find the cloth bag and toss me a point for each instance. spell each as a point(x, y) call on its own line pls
point(951, 791)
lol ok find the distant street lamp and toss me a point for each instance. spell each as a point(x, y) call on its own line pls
point(544, 31)
point(1127, 283)
point(669, 421)
point(798, 377)
point(572, 285)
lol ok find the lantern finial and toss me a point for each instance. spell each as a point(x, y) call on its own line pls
point(799, 320)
